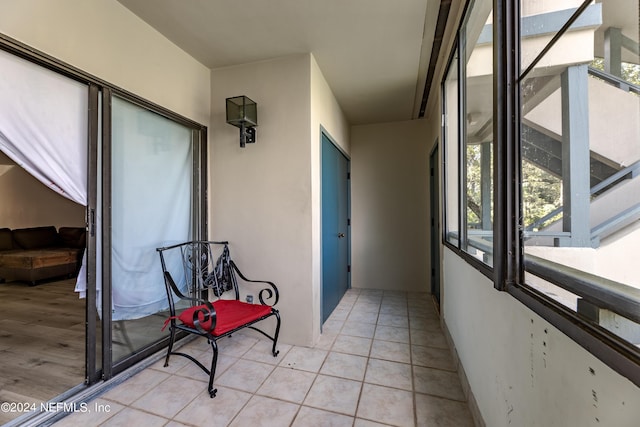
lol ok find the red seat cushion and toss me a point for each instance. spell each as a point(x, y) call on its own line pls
point(230, 314)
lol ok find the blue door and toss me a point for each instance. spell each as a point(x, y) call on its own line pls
point(335, 226)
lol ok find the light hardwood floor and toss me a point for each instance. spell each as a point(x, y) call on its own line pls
point(42, 341)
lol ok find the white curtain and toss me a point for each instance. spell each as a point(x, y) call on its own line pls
point(150, 207)
point(43, 127)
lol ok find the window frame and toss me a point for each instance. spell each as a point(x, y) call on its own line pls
point(509, 264)
point(509, 261)
point(446, 143)
point(459, 49)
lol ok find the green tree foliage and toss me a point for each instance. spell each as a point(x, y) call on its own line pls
point(629, 72)
point(541, 191)
point(541, 194)
point(474, 193)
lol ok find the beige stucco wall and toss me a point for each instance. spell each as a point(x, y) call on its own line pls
point(521, 369)
point(265, 198)
point(326, 113)
point(326, 116)
point(389, 206)
point(534, 7)
point(607, 104)
point(105, 39)
point(260, 195)
point(26, 202)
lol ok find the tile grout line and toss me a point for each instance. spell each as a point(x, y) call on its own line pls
point(364, 376)
point(317, 374)
point(329, 350)
point(413, 380)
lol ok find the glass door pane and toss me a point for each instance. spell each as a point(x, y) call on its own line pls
point(151, 206)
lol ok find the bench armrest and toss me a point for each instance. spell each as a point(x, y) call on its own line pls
point(266, 294)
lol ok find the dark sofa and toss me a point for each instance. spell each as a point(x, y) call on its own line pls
point(39, 253)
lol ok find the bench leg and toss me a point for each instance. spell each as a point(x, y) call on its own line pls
point(214, 362)
point(275, 336)
point(172, 337)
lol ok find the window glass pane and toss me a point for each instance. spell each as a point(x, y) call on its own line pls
point(478, 128)
point(581, 171)
point(542, 19)
point(152, 170)
point(451, 142)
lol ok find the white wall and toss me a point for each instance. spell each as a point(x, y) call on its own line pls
point(26, 202)
point(260, 195)
point(105, 39)
point(522, 370)
point(390, 206)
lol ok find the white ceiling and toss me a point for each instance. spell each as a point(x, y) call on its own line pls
point(373, 53)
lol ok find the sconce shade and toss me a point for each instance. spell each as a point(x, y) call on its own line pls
point(242, 112)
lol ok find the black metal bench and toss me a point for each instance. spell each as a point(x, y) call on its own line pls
point(199, 277)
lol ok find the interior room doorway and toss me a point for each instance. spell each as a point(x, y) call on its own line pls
point(43, 198)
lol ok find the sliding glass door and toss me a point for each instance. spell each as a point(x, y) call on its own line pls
point(80, 154)
point(152, 205)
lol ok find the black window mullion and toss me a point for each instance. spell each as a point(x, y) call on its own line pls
point(506, 36)
point(199, 197)
point(462, 140)
point(446, 146)
point(202, 196)
point(107, 345)
point(92, 370)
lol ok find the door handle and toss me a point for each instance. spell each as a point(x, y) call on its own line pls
point(340, 235)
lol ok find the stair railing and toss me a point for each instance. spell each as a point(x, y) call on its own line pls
point(627, 173)
point(615, 81)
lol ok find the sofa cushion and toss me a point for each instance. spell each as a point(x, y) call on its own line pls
point(36, 237)
point(72, 237)
point(6, 239)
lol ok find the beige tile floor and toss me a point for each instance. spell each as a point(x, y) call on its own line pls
point(382, 360)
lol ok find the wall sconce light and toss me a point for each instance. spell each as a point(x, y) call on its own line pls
point(242, 113)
